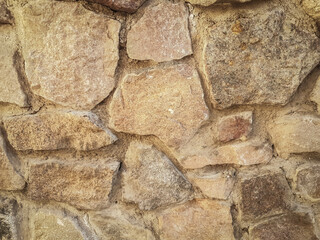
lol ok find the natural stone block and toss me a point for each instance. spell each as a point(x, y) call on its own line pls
point(70, 53)
point(129, 6)
point(312, 8)
point(210, 2)
point(315, 95)
point(166, 102)
point(57, 130)
point(151, 180)
point(162, 38)
point(199, 219)
point(5, 14)
point(84, 186)
point(308, 182)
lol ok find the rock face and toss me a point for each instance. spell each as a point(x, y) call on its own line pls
point(151, 180)
point(8, 219)
point(308, 182)
point(161, 38)
point(57, 130)
point(315, 95)
point(200, 219)
point(167, 103)
point(5, 14)
point(210, 2)
point(312, 8)
point(84, 186)
point(62, 63)
point(256, 59)
point(129, 6)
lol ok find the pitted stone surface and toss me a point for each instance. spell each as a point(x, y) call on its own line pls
point(129, 6)
point(308, 182)
point(312, 8)
point(8, 219)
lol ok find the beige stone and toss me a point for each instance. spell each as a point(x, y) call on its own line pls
point(85, 186)
point(10, 88)
point(295, 133)
point(210, 2)
point(57, 130)
point(312, 8)
point(307, 182)
point(121, 5)
point(5, 14)
point(165, 102)
point(151, 180)
point(315, 95)
point(70, 53)
point(199, 219)
point(161, 34)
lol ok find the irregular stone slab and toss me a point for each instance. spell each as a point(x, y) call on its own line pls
point(308, 182)
point(70, 53)
point(199, 219)
point(210, 2)
point(8, 219)
point(315, 95)
point(162, 38)
point(165, 102)
point(295, 133)
point(234, 126)
point(57, 130)
point(10, 88)
point(312, 8)
point(256, 58)
point(129, 6)
point(85, 186)
point(293, 227)
point(5, 14)
point(151, 180)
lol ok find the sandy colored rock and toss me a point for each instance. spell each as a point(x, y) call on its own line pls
point(57, 130)
point(312, 8)
point(199, 219)
point(315, 95)
point(8, 219)
point(10, 88)
point(5, 14)
point(85, 186)
point(151, 180)
point(295, 133)
point(129, 6)
point(161, 34)
point(70, 53)
point(210, 2)
point(308, 182)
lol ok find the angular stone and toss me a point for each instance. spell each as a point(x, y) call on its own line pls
point(199, 219)
point(85, 186)
point(162, 38)
point(288, 227)
point(70, 53)
point(308, 182)
point(256, 57)
point(151, 180)
point(295, 133)
point(57, 130)
point(5, 14)
point(10, 88)
point(129, 6)
point(315, 95)
point(234, 126)
point(8, 219)
point(165, 102)
point(312, 8)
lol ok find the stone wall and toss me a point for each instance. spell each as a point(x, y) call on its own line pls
point(159, 120)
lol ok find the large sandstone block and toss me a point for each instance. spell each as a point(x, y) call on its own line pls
point(166, 102)
point(70, 53)
point(315, 95)
point(85, 186)
point(129, 6)
point(5, 14)
point(308, 182)
point(57, 130)
point(151, 180)
point(161, 34)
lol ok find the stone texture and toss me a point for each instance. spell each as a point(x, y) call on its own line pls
point(57, 130)
point(315, 95)
point(308, 182)
point(129, 6)
point(288, 227)
point(165, 102)
point(70, 53)
point(162, 38)
point(8, 219)
point(210, 2)
point(295, 133)
point(312, 8)
point(236, 126)
point(5, 14)
point(10, 89)
point(151, 180)
point(256, 58)
point(85, 186)
point(200, 219)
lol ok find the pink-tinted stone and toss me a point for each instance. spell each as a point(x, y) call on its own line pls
point(129, 6)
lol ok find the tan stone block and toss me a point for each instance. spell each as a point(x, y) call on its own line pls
point(5, 14)
point(312, 8)
point(307, 182)
point(129, 6)
point(315, 95)
point(210, 2)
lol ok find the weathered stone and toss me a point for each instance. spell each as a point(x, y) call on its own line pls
point(295, 133)
point(161, 34)
point(315, 95)
point(234, 126)
point(70, 53)
point(210, 2)
point(312, 8)
point(10, 88)
point(165, 102)
point(308, 182)
point(288, 227)
point(129, 6)
point(8, 219)
point(5, 14)
point(256, 58)
point(57, 130)
point(263, 196)
point(199, 219)
point(151, 180)
point(85, 186)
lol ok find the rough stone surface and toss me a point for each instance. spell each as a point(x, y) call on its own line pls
point(161, 38)
point(10, 89)
point(288, 227)
point(8, 221)
point(312, 8)
point(315, 95)
point(295, 133)
point(70, 53)
point(129, 6)
point(5, 14)
point(308, 182)
point(57, 130)
point(234, 126)
point(84, 186)
point(151, 180)
point(166, 102)
point(200, 219)
point(258, 58)
point(210, 2)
